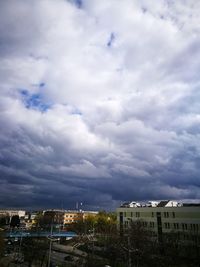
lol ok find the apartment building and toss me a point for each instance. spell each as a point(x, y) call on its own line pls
point(71, 216)
point(65, 217)
point(162, 217)
point(54, 216)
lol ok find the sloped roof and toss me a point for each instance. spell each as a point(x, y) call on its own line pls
point(163, 203)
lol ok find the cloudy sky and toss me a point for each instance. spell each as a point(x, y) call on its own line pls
point(100, 102)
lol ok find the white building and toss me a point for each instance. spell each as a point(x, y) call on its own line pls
point(10, 213)
point(163, 217)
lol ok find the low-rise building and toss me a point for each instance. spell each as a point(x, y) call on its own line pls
point(10, 213)
point(54, 216)
point(71, 216)
point(89, 214)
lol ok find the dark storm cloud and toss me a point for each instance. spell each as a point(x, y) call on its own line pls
point(92, 113)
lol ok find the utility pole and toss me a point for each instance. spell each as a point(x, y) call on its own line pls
point(50, 245)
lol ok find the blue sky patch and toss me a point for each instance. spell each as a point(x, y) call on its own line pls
point(78, 3)
point(34, 101)
point(42, 84)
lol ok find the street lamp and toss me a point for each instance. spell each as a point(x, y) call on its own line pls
point(52, 239)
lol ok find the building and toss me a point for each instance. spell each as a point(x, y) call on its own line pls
point(162, 217)
point(53, 216)
point(29, 219)
point(65, 217)
point(89, 214)
point(10, 213)
point(72, 216)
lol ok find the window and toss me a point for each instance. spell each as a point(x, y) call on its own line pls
point(126, 223)
point(144, 224)
point(176, 226)
point(184, 226)
point(131, 214)
point(151, 224)
point(137, 214)
point(166, 214)
point(124, 214)
point(167, 225)
point(152, 214)
point(173, 214)
point(194, 227)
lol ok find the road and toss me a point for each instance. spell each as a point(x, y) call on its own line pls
point(70, 249)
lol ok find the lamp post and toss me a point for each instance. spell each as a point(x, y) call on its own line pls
point(50, 244)
point(49, 258)
point(52, 239)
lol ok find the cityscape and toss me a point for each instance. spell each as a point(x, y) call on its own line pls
point(136, 234)
point(100, 133)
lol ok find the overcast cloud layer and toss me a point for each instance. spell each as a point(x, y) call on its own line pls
point(100, 102)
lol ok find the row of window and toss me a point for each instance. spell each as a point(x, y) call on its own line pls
point(145, 224)
point(66, 221)
point(166, 214)
point(153, 214)
point(167, 225)
point(182, 226)
point(70, 216)
point(150, 224)
point(189, 237)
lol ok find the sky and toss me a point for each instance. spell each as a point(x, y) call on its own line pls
point(99, 102)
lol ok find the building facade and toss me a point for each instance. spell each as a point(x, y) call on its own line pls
point(54, 216)
point(65, 217)
point(162, 218)
point(10, 213)
point(71, 216)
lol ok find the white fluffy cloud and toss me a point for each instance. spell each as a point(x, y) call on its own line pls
point(99, 95)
